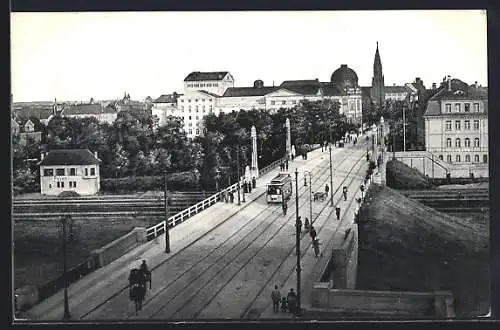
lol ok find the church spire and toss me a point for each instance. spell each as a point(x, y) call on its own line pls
point(378, 92)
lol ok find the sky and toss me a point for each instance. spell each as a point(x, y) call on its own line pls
point(77, 56)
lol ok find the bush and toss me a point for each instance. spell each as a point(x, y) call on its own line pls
point(175, 181)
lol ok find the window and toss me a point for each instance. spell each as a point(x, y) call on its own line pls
point(62, 184)
point(467, 125)
point(457, 143)
point(476, 142)
point(457, 107)
point(440, 157)
point(273, 102)
point(197, 131)
point(182, 107)
point(448, 158)
point(448, 142)
point(448, 107)
point(48, 172)
point(203, 108)
point(294, 102)
point(190, 131)
point(476, 124)
point(197, 108)
point(190, 124)
point(457, 157)
point(476, 158)
point(182, 100)
point(448, 125)
point(86, 171)
point(92, 171)
point(467, 158)
point(59, 184)
point(72, 171)
point(457, 125)
point(210, 109)
point(283, 102)
point(189, 100)
point(71, 184)
point(476, 107)
point(196, 100)
point(203, 100)
point(74, 184)
point(485, 159)
point(467, 107)
point(60, 172)
point(467, 142)
point(189, 109)
point(50, 186)
point(189, 117)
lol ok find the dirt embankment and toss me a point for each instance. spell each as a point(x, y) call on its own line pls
point(405, 245)
point(401, 176)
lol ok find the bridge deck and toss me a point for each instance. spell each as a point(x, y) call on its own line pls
point(225, 260)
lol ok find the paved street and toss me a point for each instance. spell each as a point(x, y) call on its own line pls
point(225, 260)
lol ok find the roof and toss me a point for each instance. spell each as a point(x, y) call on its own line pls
point(202, 76)
point(21, 120)
point(208, 93)
point(330, 89)
point(299, 82)
point(433, 109)
point(248, 91)
point(83, 109)
point(396, 89)
point(39, 112)
point(69, 157)
point(366, 92)
point(167, 98)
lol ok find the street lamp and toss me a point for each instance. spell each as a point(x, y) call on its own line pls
point(297, 238)
point(331, 176)
point(167, 234)
point(310, 194)
point(66, 316)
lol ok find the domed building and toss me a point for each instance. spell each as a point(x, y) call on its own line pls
point(345, 77)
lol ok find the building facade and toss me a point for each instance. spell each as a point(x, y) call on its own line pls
point(69, 170)
point(165, 106)
point(456, 123)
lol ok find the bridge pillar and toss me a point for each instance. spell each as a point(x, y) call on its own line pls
point(255, 166)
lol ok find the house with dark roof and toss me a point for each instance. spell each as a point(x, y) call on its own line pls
point(164, 106)
point(69, 170)
point(456, 123)
point(213, 82)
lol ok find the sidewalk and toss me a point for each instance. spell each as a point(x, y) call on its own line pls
point(101, 285)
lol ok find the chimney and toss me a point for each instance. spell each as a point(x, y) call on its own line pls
point(449, 84)
point(433, 85)
point(95, 154)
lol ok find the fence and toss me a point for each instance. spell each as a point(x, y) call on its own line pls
point(159, 229)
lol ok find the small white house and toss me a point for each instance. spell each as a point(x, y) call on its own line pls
point(69, 170)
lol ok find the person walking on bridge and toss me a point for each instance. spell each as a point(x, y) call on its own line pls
point(276, 297)
point(284, 206)
point(312, 232)
point(292, 301)
point(327, 189)
point(337, 212)
point(344, 192)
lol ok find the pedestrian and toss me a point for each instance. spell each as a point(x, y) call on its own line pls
point(299, 225)
point(249, 187)
point(281, 166)
point(315, 244)
point(306, 225)
point(337, 212)
point(254, 182)
point(344, 192)
point(327, 189)
point(286, 165)
point(231, 197)
point(276, 297)
point(312, 232)
point(291, 301)
point(283, 304)
point(285, 206)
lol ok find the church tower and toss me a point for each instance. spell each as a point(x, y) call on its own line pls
point(377, 91)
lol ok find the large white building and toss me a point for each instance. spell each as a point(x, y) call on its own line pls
point(214, 92)
point(456, 123)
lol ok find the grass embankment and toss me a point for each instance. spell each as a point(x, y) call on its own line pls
point(401, 176)
point(405, 245)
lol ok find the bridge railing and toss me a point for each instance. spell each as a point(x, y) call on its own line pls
point(176, 219)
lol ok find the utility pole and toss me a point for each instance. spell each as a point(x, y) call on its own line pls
point(67, 315)
point(167, 235)
point(310, 195)
point(331, 177)
point(297, 238)
point(238, 169)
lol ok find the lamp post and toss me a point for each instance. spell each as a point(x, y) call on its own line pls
point(331, 176)
point(66, 316)
point(310, 194)
point(297, 238)
point(167, 235)
point(238, 170)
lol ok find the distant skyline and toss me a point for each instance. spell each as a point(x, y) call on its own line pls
point(78, 56)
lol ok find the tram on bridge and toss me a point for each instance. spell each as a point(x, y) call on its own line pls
point(279, 189)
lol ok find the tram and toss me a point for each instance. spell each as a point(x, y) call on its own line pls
point(279, 189)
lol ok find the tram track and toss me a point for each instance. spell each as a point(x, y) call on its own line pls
point(178, 309)
point(110, 299)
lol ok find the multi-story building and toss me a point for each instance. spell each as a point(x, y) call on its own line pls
point(69, 169)
point(84, 110)
point(165, 106)
point(456, 123)
point(28, 128)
